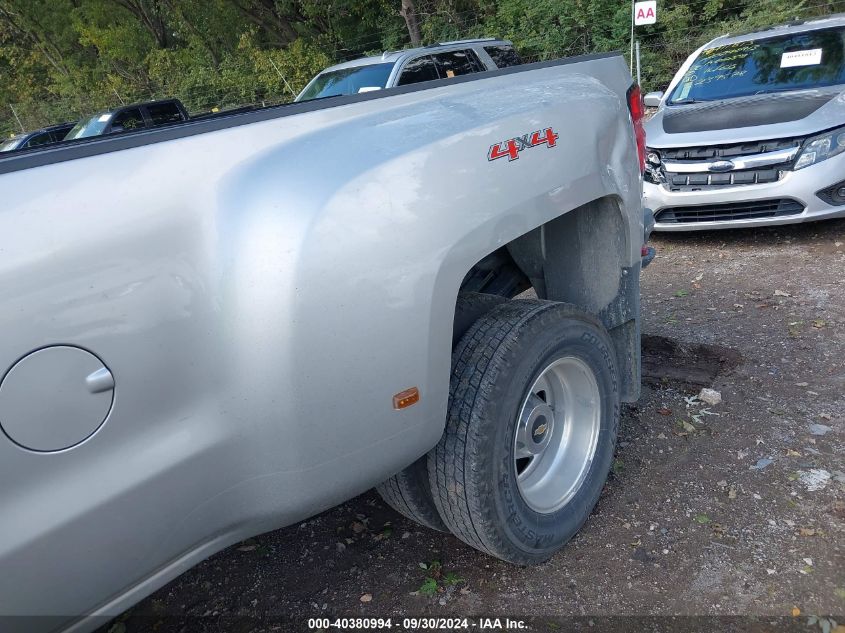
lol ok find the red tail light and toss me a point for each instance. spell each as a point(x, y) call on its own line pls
point(635, 105)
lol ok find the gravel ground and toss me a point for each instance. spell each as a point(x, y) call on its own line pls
point(729, 509)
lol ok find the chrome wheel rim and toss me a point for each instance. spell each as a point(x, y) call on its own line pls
point(557, 434)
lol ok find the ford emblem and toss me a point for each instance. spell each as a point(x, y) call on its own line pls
point(721, 165)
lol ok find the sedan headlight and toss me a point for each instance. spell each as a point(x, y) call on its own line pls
point(821, 148)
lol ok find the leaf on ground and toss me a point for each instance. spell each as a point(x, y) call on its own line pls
point(367, 597)
point(804, 531)
point(702, 518)
point(681, 293)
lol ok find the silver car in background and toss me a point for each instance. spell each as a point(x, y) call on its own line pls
point(751, 131)
point(445, 60)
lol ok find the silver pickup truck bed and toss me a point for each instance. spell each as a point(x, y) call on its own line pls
point(239, 300)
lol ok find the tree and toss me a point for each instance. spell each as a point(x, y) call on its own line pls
point(150, 14)
point(409, 12)
point(62, 59)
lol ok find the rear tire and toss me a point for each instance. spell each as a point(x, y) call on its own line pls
point(408, 493)
point(535, 379)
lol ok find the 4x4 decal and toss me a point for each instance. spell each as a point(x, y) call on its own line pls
point(514, 146)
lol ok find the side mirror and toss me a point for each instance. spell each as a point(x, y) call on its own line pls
point(652, 99)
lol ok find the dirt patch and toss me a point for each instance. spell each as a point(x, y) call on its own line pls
point(667, 360)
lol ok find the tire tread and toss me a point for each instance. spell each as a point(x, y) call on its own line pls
point(407, 493)
point(462, 496)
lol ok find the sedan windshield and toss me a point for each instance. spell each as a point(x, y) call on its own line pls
point(89, 127)
point(799, 61)
point(348, 81)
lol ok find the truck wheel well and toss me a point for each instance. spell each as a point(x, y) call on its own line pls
point(496, 274)
point(580, 258)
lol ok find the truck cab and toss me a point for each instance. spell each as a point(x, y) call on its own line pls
point(398, 68)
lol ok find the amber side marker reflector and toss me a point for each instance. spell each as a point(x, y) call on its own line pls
point(406, 398)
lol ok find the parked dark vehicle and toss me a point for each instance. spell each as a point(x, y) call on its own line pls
point(44, 136)
point(131, 117)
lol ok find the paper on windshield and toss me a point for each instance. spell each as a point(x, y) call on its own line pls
point(810, 57)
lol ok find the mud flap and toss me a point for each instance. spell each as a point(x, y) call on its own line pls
point(647, 251)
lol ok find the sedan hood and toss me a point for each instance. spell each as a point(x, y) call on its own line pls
point(751, 118)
